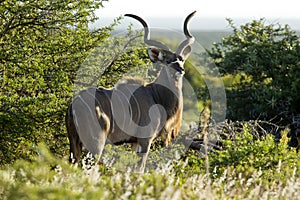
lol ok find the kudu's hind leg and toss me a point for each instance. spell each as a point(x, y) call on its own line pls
point(75, 148)
point(99, 149)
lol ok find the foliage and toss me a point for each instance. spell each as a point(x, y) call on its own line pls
point(245, 154)
point(247, 169)
point(43, 46)
point(264, 59)
point(116, 57)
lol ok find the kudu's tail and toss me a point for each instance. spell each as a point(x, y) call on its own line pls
point(75, 143)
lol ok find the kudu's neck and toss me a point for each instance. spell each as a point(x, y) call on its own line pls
point(167, 91)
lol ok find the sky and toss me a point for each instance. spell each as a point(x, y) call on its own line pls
point(281, 11)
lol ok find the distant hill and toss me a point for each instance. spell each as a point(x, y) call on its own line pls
point(204, 38)
point(207, 38)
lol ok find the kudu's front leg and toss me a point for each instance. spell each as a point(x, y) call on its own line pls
point(144, 145)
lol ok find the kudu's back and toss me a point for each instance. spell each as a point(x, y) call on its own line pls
point(121, 115)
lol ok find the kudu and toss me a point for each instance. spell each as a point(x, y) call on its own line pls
point(132, 111)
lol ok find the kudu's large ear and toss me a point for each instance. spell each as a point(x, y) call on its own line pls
point(155, 55)
point(186, 52)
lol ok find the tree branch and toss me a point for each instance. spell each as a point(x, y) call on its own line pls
point(6, 29)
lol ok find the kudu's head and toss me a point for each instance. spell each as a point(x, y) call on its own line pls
point(173, 60)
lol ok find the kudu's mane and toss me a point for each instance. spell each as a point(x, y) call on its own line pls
point(130, 81)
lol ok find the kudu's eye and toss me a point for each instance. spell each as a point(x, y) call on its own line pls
point(177, 59)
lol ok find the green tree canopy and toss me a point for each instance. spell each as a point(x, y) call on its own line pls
point(42, 46)
point(264, 59)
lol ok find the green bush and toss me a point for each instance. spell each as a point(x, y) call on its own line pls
point(247, 169)
point(265, 59)
point(43, 45)
point(244, 154)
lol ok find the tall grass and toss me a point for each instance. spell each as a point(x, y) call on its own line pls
point(247, 168)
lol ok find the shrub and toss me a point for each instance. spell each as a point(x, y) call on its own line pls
point(265, 59)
